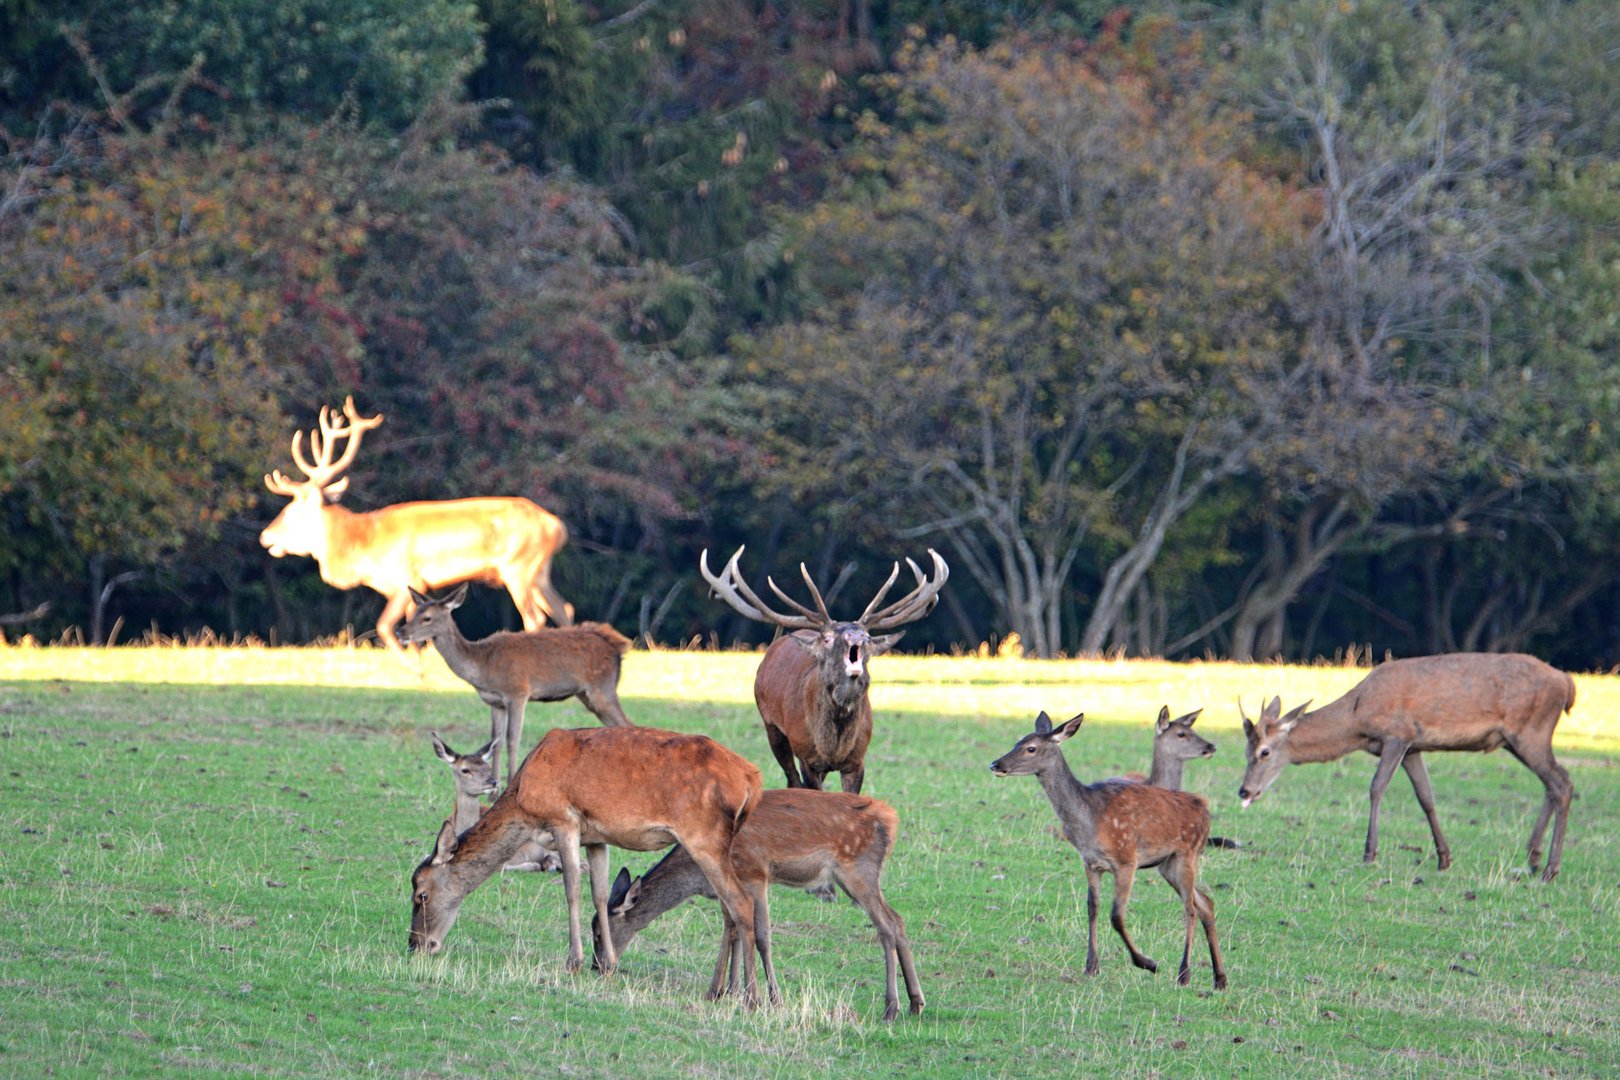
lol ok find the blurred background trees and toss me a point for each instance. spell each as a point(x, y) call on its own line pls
point(1231, 329)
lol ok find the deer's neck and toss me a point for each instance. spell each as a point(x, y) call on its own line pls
point(1166, 771)
point(465, 658)
point(344, 535)
point(468, 811)
point(488, 845)
point(1327, 734)
point(1071, 800)
point(666, 886)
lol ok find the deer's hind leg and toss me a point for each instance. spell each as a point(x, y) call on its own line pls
point(1560, 790)
point(1182, 878)
point(1418, 772)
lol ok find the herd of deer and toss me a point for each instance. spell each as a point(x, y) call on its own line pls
point(643, 789)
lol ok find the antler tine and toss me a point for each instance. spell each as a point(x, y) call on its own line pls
point(915, 604)
point(323, 441)
point(731, 588)
point(820, 614)
point(280, 484)
point(894, 575)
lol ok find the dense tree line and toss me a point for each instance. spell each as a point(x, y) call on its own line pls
point(1237, 329)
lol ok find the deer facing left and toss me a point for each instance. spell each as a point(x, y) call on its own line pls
point(507, 541)
point(510, 669)
point(1120, 826)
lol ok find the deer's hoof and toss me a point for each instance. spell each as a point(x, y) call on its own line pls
point(1444, 860)
point(1144, 963)
point(892, 1013)
point(1549, 873)
point(917, 1004)
point(1220, 980)
point(1184, 978)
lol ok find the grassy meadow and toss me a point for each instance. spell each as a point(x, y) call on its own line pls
point(207, 854)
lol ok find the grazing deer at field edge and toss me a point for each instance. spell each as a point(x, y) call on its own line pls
point(474, 775)
point(1118, 826)
point(811, 686)
point(421, 545)
point(1461, 701)
point(795, 837)
point(633, 787)
point(510, 669)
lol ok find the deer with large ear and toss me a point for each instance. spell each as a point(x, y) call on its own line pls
point(420, 545)
point(811, 687)
point(1119, 826)
point(1456, 701)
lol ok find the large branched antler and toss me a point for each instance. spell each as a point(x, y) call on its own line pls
point(730, 587)
point(323, 444)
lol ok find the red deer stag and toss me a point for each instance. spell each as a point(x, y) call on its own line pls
point(421, 545)
point(633, 787)
point(798, 838)
point(1119, 826)
point(811, 686)
point(474, 776)
point(511, 669)
point(1460, 701)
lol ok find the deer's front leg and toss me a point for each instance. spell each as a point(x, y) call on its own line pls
point(597, 855)
point(1388, 761)
point(1093, 887)
point(568, 850)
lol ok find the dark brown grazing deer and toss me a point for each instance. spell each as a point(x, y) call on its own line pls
point(795, 837)
point(1461, 701)
point(1118, 826)
point(474, 775)
point(811, 687)
point(632, 787)
point(419, 545)
point(510, 669)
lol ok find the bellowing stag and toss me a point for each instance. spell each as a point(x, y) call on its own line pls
point(505, 541)
point(811, 687)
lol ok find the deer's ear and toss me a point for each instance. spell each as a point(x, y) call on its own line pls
point(1190, 718)
point(420, 599)
point(1270, 711)
point(1043, 724)
point(334, 491)
point(1068, 729)
point(1163, 721)
point(455, 599)
point(445, 847)
point(1292, 718)
point(884, 642)
point(446, 755)
point(811, 639)
point(485, 752)
point(1248, 729)
point(620, 890)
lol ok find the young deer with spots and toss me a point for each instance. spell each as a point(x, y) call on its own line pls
point(1120, 826)
point(636, 788)
point(511, 669)
point(799, 838)
point(474, 775)
point(1460, 701)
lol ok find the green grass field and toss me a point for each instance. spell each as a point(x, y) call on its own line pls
point(208, 851)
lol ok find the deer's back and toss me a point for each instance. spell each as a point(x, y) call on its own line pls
point(801, 838)
point(553, 663)
point(1151, 822)
point(446, 542)
point(637, 788)
point(1460, 701)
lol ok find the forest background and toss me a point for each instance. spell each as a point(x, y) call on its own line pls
point(1230, 329)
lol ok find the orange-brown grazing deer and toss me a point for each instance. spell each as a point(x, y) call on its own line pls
point(474, 775)
point(1118, 826)
point(1461, 701)
point(811, 686)
point(798, 838)
point(420, 545)
point(632, 787)
point(510, 669)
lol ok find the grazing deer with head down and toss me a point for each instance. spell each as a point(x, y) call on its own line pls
point(474, 775)
point(1462, 701)
point(510, 669)
point(632, 787)
point(811, 687)
point(1119, 826)
point(417, 545)
point(795, 837)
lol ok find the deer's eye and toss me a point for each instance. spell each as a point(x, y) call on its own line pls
point(1265, 751)
point(422, 897)
point(1181, 734)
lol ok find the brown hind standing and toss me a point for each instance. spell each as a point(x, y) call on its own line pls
point(511, 669)
point(474, 775)
point(1119, 826)
point(799, 838)
point(632, 787)
point(811, 687)
point(1458, 701)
